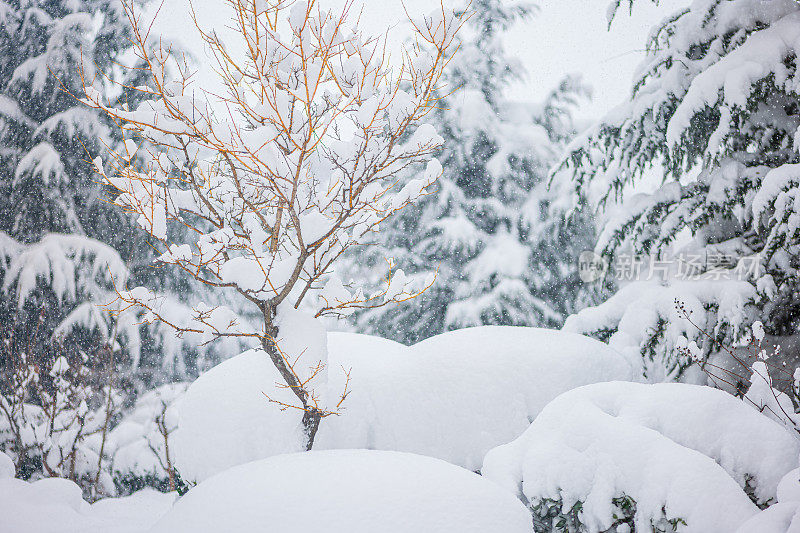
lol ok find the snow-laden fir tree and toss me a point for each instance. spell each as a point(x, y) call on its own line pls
point(493, 233)
point(715, 102)
point(62, 245)
point(53, 215)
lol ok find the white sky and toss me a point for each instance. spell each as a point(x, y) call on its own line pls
point(566, 36)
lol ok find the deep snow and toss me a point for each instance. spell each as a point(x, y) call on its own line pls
point(679, 451)
point(453, 396)
point(353, 491)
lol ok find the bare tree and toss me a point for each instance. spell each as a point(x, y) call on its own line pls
point(275, 179)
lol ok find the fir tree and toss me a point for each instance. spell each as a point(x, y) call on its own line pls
point(64, 247)
point(716, 104)
point(489, 228)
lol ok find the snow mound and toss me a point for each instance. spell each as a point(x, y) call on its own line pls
point(347, 491)
point(784, 516)
point(789, 487)
point(459, 394)
point(780, 518)
point(225, 419)
point(137, 512)
point(7, 468)
point(454, 396)
point(54, 505)
point(678, 451)
point(648, 329)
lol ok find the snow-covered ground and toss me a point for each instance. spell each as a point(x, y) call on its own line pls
point(678, 451)
point(453, 396)
point(55, 505)
point(353, 491)
point(600, 449)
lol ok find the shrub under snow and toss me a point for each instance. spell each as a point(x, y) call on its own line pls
point(55, 505)
point(642, 455)
point(784, 516)
point(642, 322)
point(453, 396)
point(141, 443)
point(354, 491)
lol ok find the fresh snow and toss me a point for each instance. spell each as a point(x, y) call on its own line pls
point(226, 420)
point(789, 487)
point(7, 468)
point(347, 491)
point(782, 517)
point(456, 395)
point(54, 505)
point(644, 313)
point(453, 396)
point(734, 76)
point(687, 450)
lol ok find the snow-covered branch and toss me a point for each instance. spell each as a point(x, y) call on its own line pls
point(293, 165)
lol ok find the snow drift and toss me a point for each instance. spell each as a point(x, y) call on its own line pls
point(7, 467)
point(55, 505)
point(679, 452)
point(784, 516)
point(353, 491)
point(453, 396)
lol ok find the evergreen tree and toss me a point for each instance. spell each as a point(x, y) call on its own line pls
point(716, 104)
point(489, 228)
point(47, 188)
point(63, 246)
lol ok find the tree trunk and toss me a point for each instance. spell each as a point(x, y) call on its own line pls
point(311, 419)
point(311, 415)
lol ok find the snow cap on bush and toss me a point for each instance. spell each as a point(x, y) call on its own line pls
point(679, 452)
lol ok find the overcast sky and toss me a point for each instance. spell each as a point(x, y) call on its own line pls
point(566, 36)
